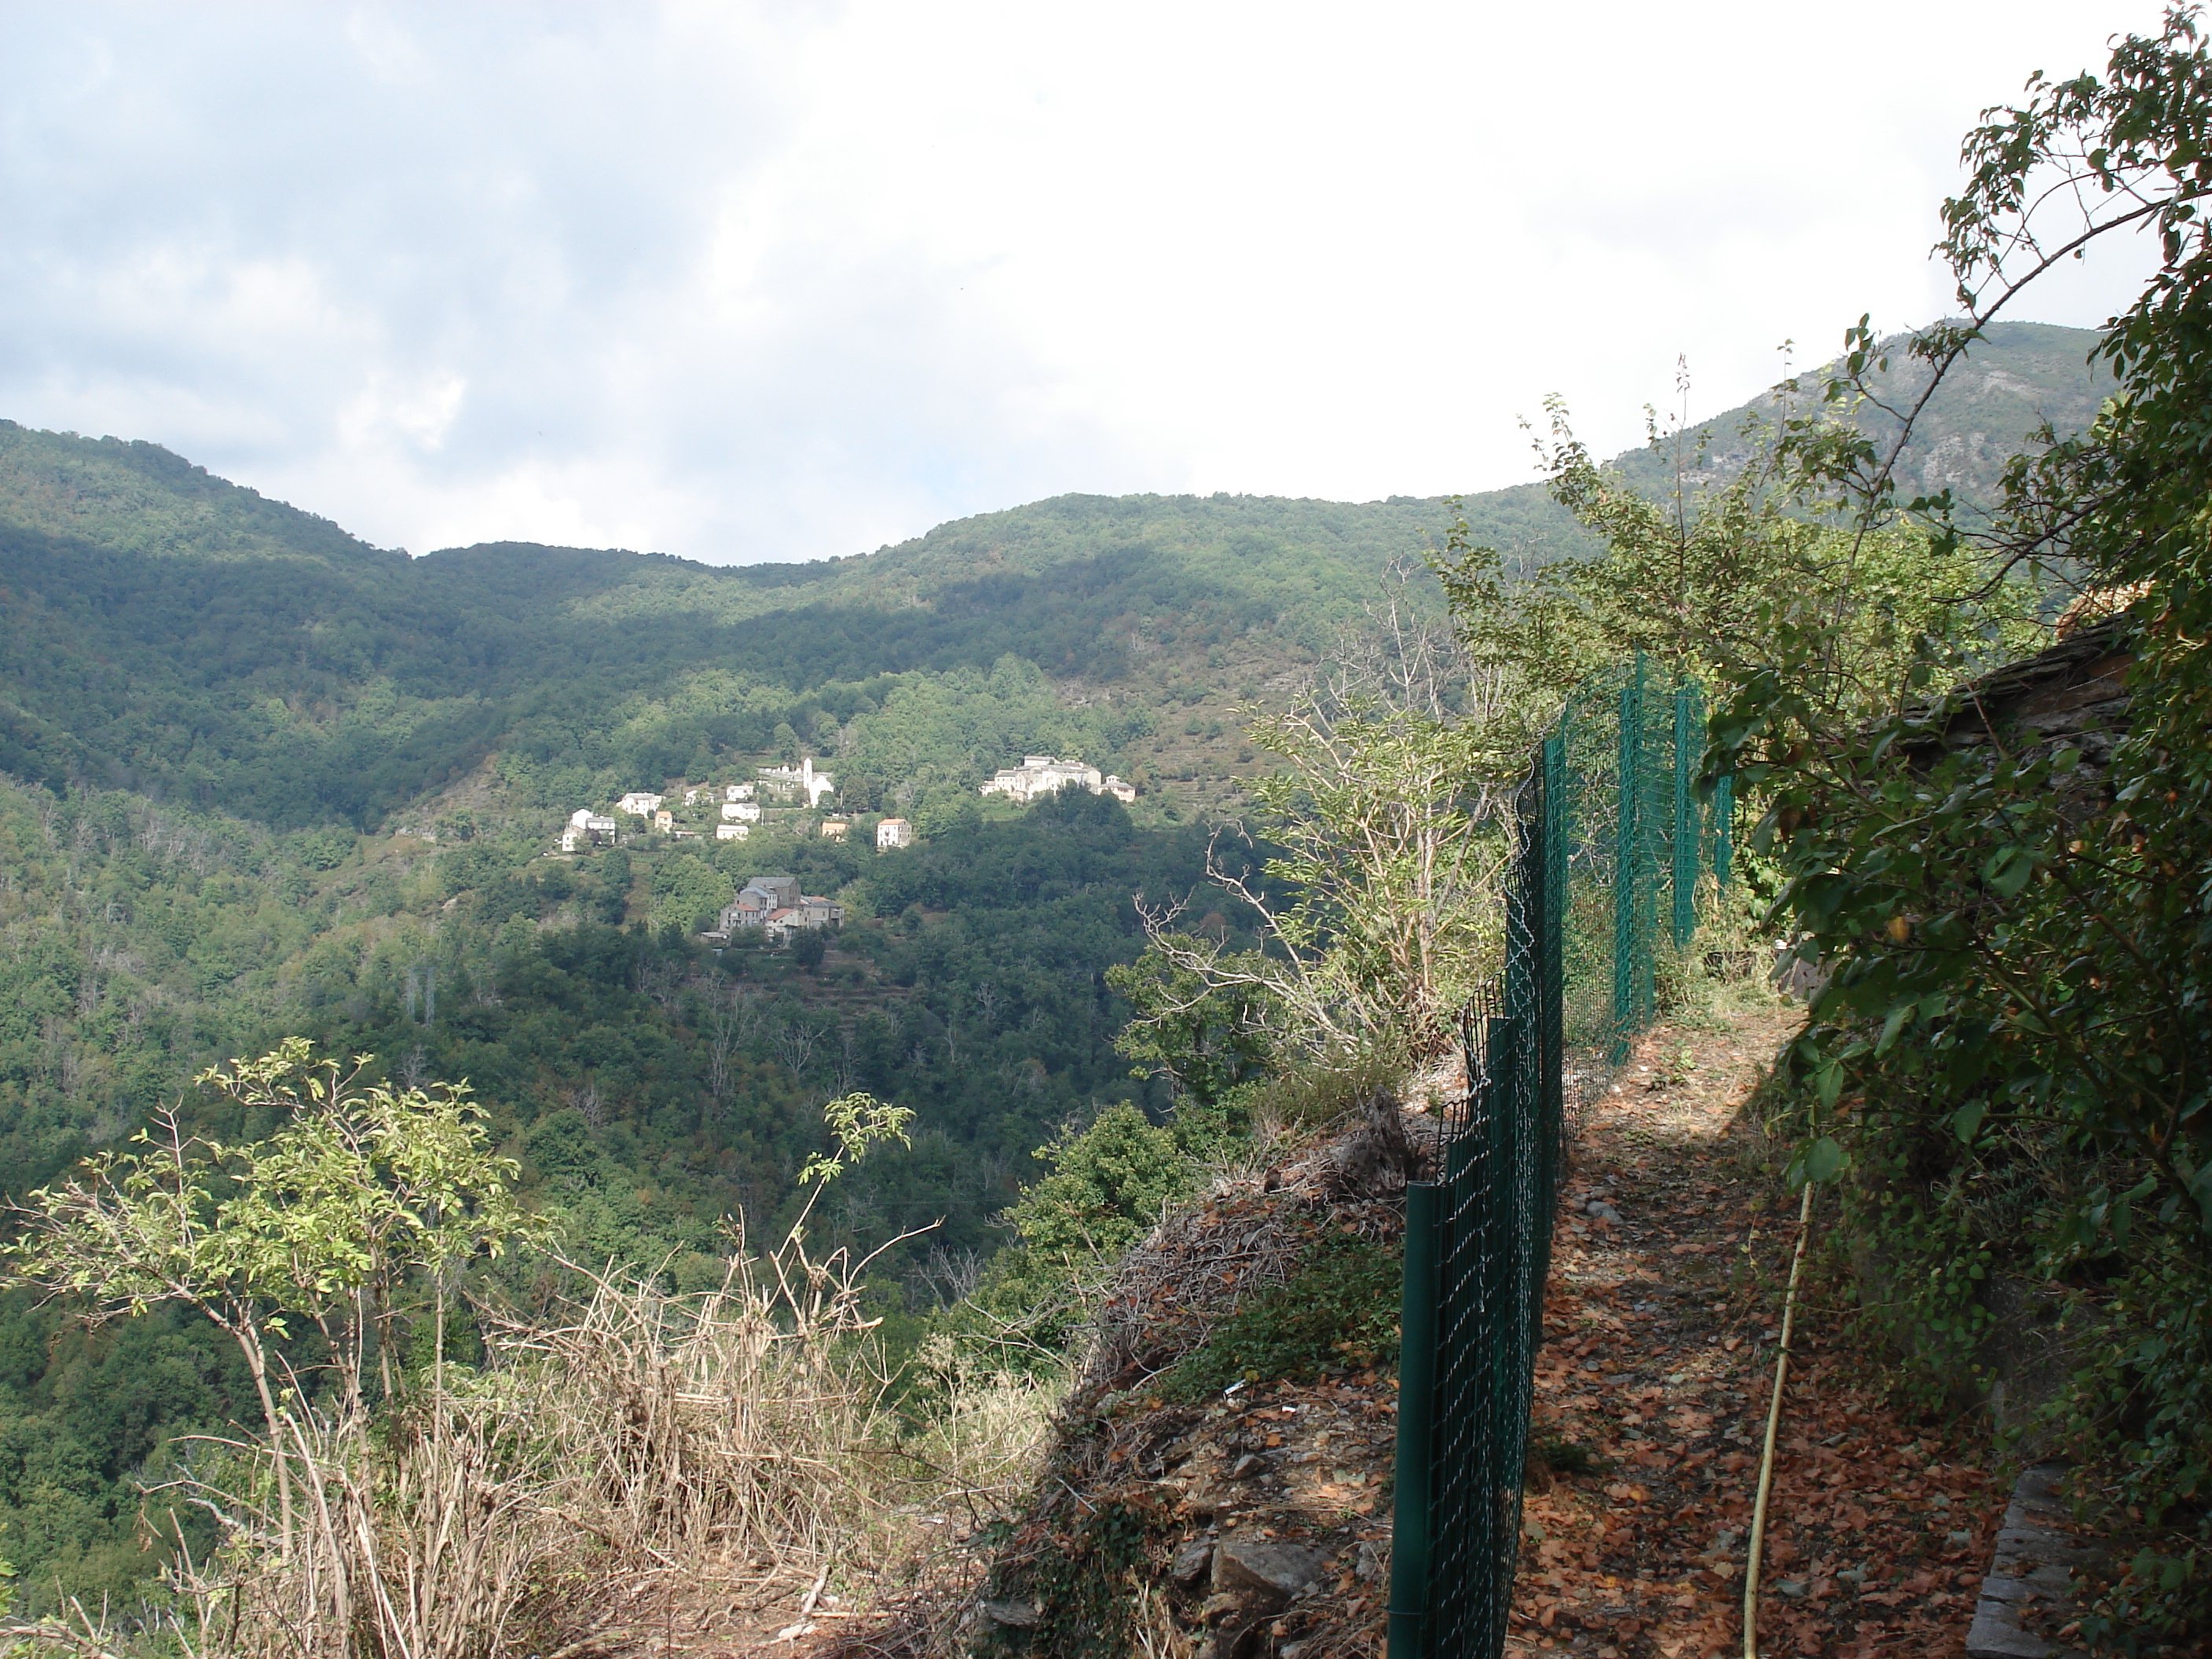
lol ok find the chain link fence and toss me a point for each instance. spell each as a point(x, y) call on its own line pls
point(1615, 859)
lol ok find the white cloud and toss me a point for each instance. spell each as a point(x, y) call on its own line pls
point(767, 282)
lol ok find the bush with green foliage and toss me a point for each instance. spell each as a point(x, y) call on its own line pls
point(1338, 1311)
point(2019, 946)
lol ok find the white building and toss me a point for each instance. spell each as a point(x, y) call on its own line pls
point(742, 812)
point(802, 779)
point(1042, 774)
point(738, 791)
point(893, 832)
point(733, 831)
point(639, 803)
point(1119, 790)
point(586, 828)
point(663, 820)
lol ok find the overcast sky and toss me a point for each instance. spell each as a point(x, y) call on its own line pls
point(777, 282)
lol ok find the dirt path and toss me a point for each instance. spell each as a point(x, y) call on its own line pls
point(1651, 1402)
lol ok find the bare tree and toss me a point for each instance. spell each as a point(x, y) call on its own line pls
point(1406, 657)
point(1391, 826)
point(990, 999)
point(944, 1278)
point(656, 977)
point(795, 1045)
point(586, 1099)
point(845, 1068)
point(731, 1015)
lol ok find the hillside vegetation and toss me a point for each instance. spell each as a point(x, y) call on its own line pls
point(164, 631)
point(266, 781)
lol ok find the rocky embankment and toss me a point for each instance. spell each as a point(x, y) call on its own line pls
point(1255, 1520)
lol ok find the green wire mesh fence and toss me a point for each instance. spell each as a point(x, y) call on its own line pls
point(1614, 855)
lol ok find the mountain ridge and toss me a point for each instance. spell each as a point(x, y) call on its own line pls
point(164, 630)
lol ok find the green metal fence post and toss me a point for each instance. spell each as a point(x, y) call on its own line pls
point(1417, 1374)
point(1507, 1243)
point(1684, 845)
point(1551, 876)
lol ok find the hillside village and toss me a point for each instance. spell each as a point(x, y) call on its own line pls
point(795, 801)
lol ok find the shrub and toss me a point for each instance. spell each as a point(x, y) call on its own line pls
point(1338, 1309)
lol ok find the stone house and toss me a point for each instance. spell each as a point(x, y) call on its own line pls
point(774, 905)
point(894, 832)
point(639, 803)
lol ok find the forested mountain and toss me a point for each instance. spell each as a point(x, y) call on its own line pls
point(167, 632)
point(164, 631)
point(265, 779)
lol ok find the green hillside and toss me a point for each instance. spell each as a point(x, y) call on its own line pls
point(263, 779)
point(163, 630)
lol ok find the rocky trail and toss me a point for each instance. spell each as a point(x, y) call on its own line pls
point(1652, 1390)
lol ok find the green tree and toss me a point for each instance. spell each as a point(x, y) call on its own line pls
point(1729, 568)
point(2010, 1049)
point(365, 1193)
point(1204, 1036)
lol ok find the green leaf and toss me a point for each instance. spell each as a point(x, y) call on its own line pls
point(1829, 1082)
point(1823, 1161)
point(2008, 870)
point(1966, 1121)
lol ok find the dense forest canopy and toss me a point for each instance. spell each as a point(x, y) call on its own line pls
point(263, 780)
point(164, 631)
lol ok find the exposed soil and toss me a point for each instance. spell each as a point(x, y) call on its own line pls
point(1654, 1383)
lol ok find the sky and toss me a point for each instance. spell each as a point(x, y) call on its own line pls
point(768, 282)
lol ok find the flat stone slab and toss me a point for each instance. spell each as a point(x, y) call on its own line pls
point(2032, 1568)
point(1277, 1571)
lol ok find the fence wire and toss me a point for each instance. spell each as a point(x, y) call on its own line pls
point(1614, 858)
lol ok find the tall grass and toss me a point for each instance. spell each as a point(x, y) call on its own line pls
point(725, 1440)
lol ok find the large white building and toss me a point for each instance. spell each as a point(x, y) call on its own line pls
point(639, 803)
point(893, 832)
point(1042, 774)
point(586, 828)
